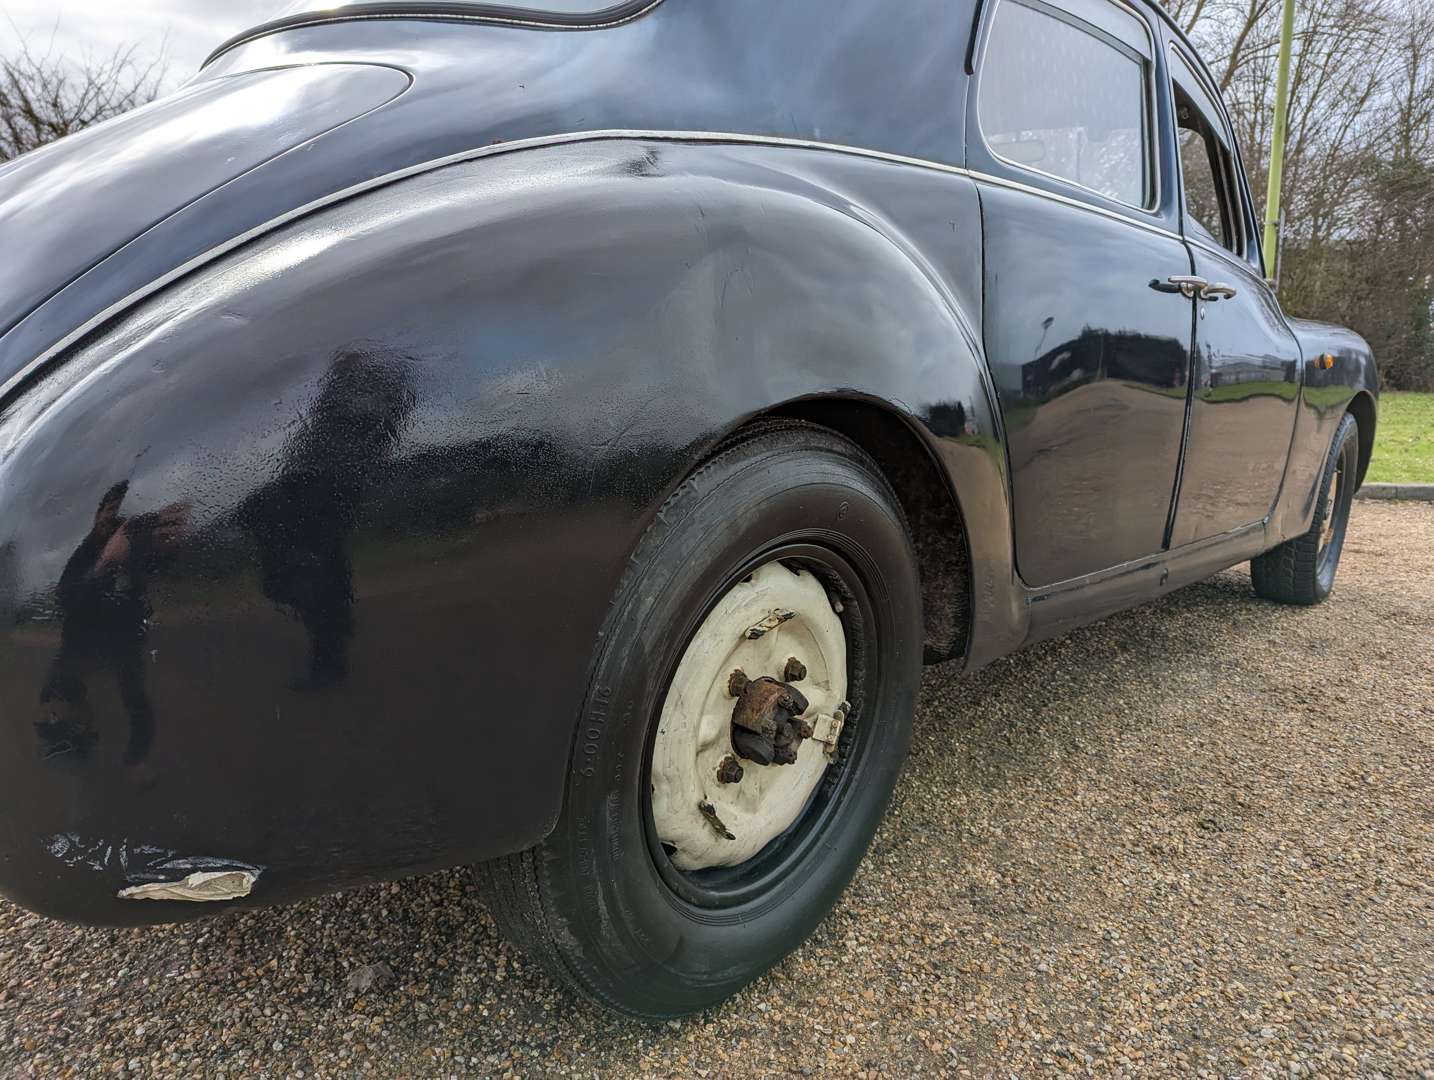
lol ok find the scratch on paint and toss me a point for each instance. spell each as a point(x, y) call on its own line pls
point(145, 864)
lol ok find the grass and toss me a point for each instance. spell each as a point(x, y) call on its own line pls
point(1404, 439)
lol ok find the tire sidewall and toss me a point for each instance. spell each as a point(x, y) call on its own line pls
point(1344, 450)
point(629, 934)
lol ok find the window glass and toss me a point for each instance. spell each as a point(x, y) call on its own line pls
point(1200, 153)
point(1207, 167)
point(1066, 102)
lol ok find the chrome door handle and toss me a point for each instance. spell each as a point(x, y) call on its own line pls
point(1188, 287)
point(1218, 291)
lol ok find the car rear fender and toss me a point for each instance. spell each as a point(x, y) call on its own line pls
point(376, 474)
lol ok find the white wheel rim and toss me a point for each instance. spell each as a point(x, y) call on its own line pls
point(694, 730)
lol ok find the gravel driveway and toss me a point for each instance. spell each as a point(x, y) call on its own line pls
point(1198, 837)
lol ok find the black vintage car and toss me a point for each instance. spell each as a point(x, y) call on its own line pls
point(554, 437)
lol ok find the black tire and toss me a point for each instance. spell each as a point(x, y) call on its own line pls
point(1301, 571)
point(596, 904)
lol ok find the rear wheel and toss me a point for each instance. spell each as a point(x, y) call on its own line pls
point(749, 714)
point(1301, 571)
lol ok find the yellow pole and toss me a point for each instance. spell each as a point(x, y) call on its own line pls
point(1277, 148)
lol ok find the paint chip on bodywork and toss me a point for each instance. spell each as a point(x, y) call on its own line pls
point(201, 886)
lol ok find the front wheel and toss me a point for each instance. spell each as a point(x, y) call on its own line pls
point(748, 717)
point(1301, 571)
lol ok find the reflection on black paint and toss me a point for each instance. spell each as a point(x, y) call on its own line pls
point(104, 619)
point(1151, 361)
point(303, 520)
point(1257, 371)
point(949, 420)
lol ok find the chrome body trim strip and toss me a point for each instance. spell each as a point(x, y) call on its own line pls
point(611, 135)
point(1001, 181)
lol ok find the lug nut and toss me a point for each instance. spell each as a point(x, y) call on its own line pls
point(737, 682)
point(795, 671)
point(729, 771)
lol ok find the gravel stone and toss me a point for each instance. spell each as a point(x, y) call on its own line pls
point(1196, 839)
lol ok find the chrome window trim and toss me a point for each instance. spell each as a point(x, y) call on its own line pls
point(1079, 204)
point(1217, 249)
point(118, 308)
point(1150, 104)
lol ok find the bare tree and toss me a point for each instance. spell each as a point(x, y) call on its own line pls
point(1359, 166)
point(44, 96)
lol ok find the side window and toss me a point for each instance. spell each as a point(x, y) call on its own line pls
point(1068, 99)
point(1207, 168)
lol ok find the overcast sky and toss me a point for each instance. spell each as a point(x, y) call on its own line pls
point(187, 29)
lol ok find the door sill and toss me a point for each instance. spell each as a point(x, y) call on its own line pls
point(1056, 609)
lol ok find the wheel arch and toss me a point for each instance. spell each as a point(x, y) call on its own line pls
point(1362, 408)
point(932, 509)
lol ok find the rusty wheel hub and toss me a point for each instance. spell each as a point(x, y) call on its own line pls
point(751, 721)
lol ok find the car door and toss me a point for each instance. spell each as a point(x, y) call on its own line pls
point(1087, 339)
point(1246, 374)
